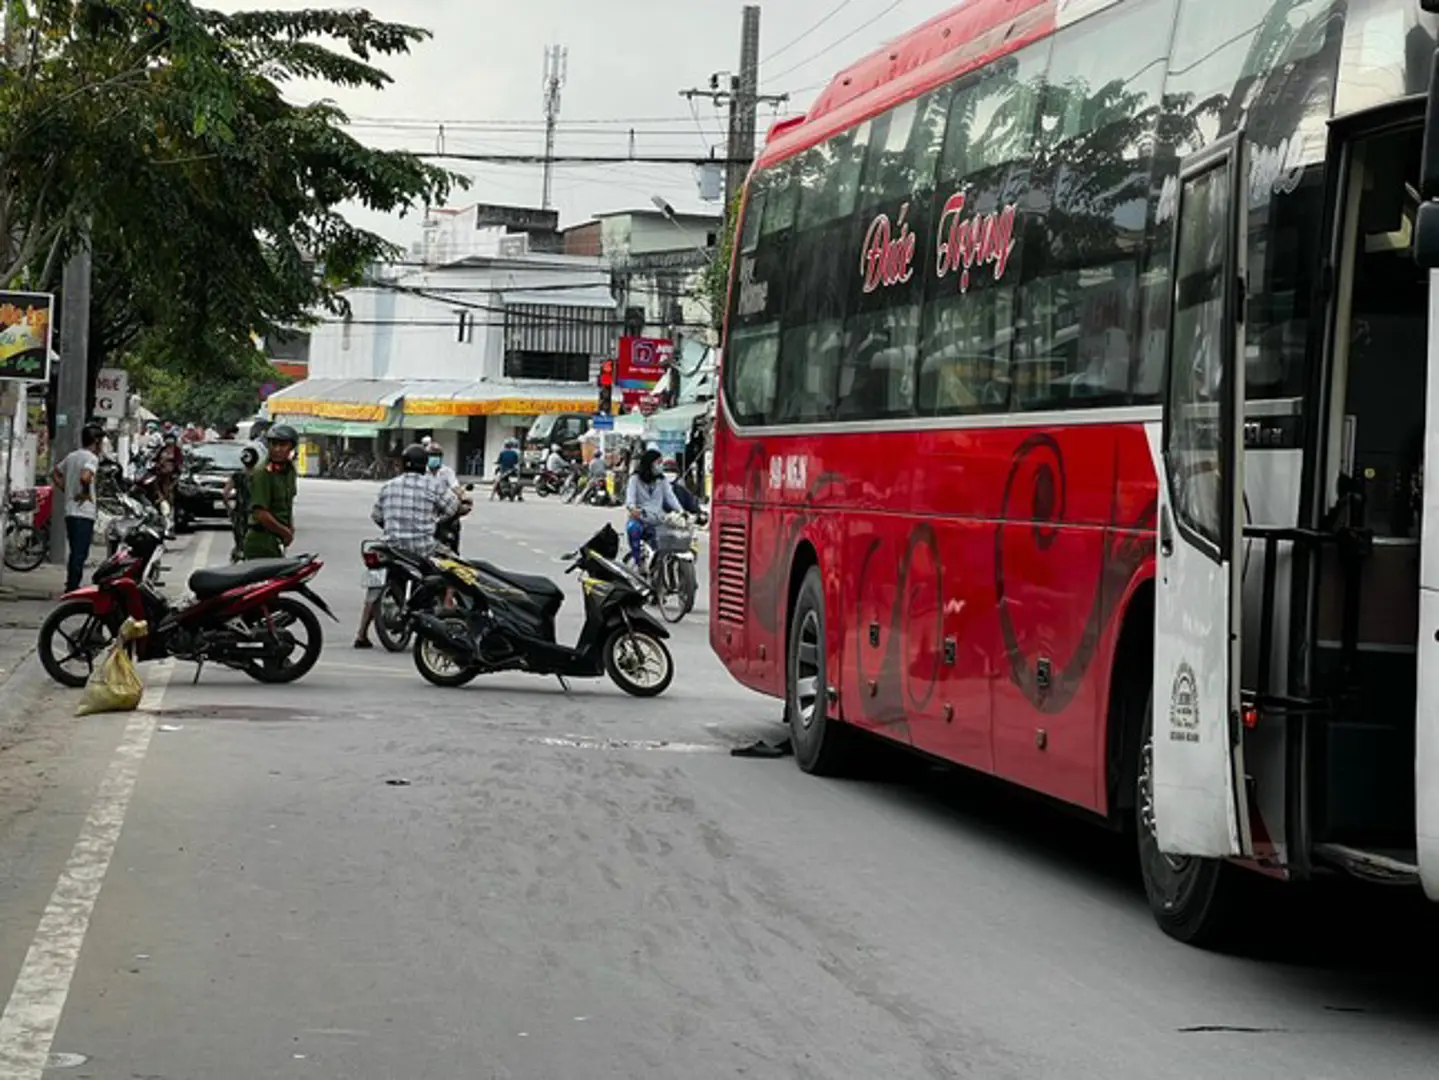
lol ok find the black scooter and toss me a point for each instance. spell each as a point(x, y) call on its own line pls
point(504, 621)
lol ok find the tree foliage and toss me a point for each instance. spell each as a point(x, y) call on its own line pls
point(715, 286)
point(214, 204)
point(217, 397)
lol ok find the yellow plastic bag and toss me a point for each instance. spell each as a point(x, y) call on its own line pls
point(115, 685)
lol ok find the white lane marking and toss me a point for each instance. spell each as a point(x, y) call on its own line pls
point(37, 1001)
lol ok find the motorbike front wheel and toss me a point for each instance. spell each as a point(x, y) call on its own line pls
point(71, 640)
point(285, 615)
point(638, 662)
point(674, 587)
point(440, 668)
point(391, 626)
point(26, 547)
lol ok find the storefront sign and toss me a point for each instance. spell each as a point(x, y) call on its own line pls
point(330, 410)
point(26, 324)
point(112, 391)
point(642, 363)
point(418, 407)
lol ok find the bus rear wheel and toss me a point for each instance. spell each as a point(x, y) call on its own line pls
point(822, 746)
point(1196, 901)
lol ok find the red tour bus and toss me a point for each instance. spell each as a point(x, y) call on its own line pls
point(1073, 427)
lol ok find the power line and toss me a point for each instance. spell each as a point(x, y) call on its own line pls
point(540, 124)
point(836, 44)
point(582, 159)
point(826, 18)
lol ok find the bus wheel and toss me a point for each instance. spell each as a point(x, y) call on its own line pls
point(1196, 901)
point(821, 746)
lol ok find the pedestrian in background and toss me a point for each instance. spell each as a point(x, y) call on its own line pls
point(272, 498)
point(237, 499)
point(75, 478)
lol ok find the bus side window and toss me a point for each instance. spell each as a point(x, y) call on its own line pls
point(753, 358)
point(1079, 297)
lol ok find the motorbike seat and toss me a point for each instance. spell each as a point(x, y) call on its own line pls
point(219, 579)
point(541, 589)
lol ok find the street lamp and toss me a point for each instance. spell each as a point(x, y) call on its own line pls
point(663, 206)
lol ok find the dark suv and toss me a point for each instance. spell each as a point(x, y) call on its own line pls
point(200, 492)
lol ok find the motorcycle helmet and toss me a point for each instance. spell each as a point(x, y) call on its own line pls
point(415, 459)
point(283, 433)
point(554, 448)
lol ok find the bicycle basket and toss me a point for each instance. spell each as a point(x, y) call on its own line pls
point(670, 539)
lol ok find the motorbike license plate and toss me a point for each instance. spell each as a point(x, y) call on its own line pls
point(375, 579)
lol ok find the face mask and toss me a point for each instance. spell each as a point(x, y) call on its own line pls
point(435, 462)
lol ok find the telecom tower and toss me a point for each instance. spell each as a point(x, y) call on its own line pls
point(557, 60)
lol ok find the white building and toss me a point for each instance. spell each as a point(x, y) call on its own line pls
point(469, 349)
point(659, 261)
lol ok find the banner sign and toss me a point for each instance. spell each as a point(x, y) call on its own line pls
point(642, 363)
point(112, 391)
point(27, 322)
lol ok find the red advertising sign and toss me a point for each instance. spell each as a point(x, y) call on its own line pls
point(643, 362)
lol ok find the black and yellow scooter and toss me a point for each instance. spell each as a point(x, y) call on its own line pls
point(497, 621)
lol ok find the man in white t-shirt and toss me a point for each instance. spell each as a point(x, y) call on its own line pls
point(74, 478)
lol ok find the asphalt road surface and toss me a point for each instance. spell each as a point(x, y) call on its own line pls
point(584, 886)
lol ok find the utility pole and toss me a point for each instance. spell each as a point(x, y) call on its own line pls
point(74, 382)
point(742, 103)
point(557, 62)
point(741, 93)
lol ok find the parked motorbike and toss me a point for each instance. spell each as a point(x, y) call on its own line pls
point(505, 621)
point(509, 487)
point(27, 528)
point(669, 566)
point(126, 513)
point(239, 616)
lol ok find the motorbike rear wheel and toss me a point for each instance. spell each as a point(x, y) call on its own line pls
point(638, 662)
point(26, 547)
point(82, 644)
point(285, 613)
point(391, 627)
point(438, 667)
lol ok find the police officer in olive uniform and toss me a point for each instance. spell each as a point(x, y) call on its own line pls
point(272, 497)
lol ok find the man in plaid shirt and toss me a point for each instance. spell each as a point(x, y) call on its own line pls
point(408, 509)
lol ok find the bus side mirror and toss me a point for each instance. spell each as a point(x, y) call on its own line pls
point(1426, 234)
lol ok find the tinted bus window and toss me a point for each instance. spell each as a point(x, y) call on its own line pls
point(780, 203)
point(876, 379)
point(1080, 292)
point(753, 214)
point(967, 331)
point(752, 360)
point(1271, 62)
point(991, 118)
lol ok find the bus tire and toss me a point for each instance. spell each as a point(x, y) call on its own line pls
point(1196, 901)
point(822, 746)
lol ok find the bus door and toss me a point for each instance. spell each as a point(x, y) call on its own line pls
point(1200, 808)
point(1426, 713)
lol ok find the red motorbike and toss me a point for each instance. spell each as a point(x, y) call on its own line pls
point(240, 616)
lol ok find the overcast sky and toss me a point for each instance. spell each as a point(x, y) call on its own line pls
point(628, 60)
